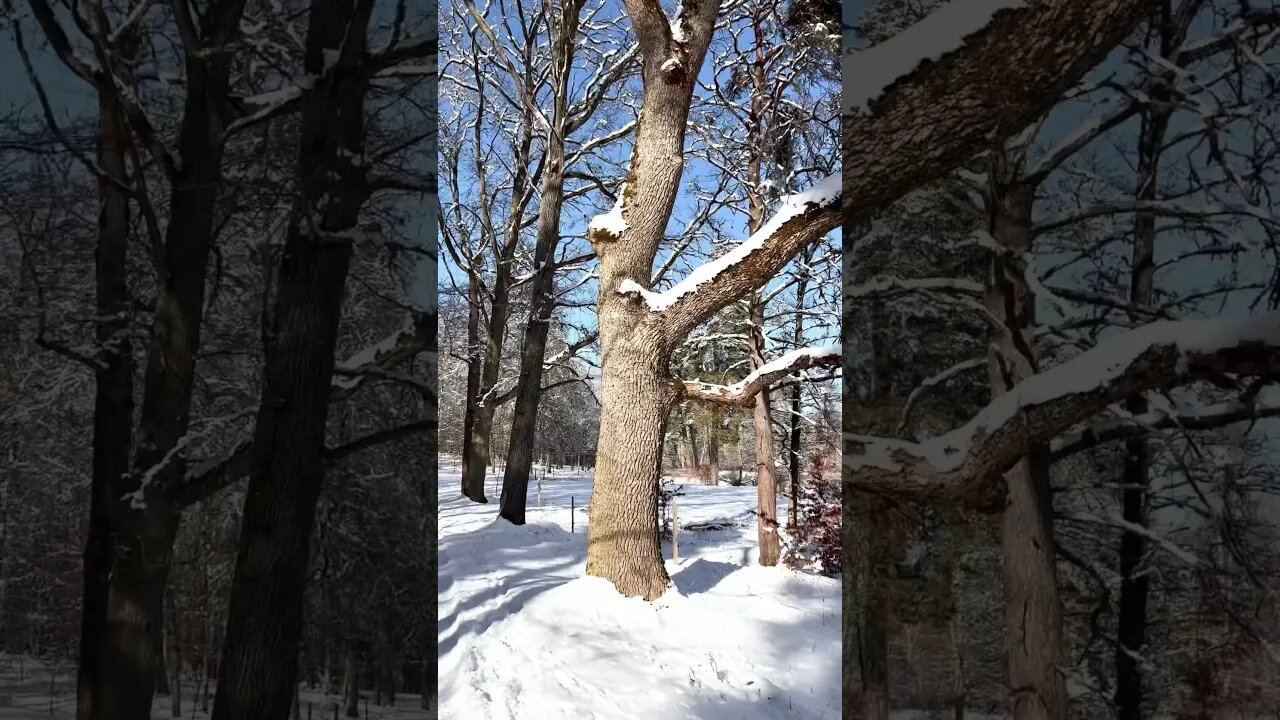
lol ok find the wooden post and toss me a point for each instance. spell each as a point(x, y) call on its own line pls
point(571, 501)
point(675, 530)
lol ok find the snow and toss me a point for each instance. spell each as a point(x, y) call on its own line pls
point(867, 74)
point(822, 194)
point(522, 627)
point(677, 24)
point(1086, 372)
point(611, 222)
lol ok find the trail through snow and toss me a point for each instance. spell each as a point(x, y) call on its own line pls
point(525, 635)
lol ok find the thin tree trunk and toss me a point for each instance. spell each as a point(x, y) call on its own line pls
point(112, 412)
point(175, 664)
point(473, 377)
point(689, 447)
point(1131, 622)
point(351, 686)
point(766, 486)
point(1033, 611)
point(873, 698)
point(264, 622)
point(793, 449)
point(162, 672)
point(499, 308)
point(713, 454)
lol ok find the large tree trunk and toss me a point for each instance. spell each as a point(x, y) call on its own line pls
point(264, 622)
point(1033, 612)
point(1131, 622)
point(623, 543)
point(113, 405)
point(524, 420)
point(637, 393)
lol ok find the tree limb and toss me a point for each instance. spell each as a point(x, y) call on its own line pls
point(964, 467)
point(743, 393)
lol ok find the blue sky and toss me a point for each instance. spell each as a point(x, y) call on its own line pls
point(577, 214)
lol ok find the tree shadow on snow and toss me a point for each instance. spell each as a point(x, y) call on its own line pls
point(539, 550)
point(701, 575)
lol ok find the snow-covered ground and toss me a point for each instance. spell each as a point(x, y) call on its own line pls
point(32, 690)
point(524, 634)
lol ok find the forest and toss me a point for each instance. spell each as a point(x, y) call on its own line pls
point(217, 372)
point(1059, 468)
point(640, 314)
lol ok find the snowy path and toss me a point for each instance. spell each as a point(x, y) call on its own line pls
point(524, 635)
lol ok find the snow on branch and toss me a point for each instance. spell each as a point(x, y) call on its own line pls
point(743, 392)
point(888, 285)
point(1205, 417)
point(802, 219)
point(610, 225)
point(965, 465)
point(870, 72)
point(374, 360)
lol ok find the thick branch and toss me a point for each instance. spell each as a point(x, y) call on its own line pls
point(1209, 417)
point(743, 393)
point(802, 220)
point(964, 467)
point(998, 81)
